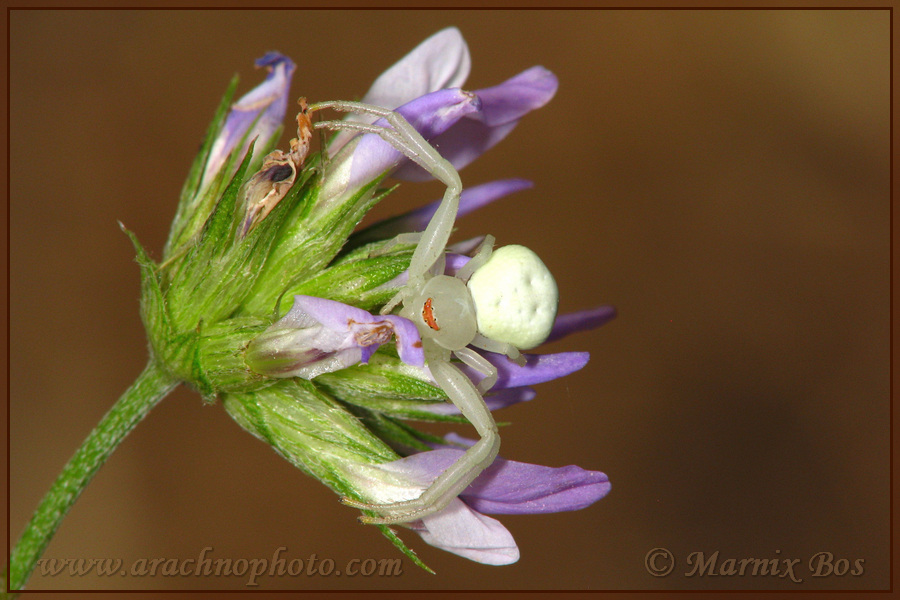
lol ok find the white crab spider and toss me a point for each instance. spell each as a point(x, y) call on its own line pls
point(509, 303)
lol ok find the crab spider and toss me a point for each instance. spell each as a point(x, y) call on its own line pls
point(499, 301)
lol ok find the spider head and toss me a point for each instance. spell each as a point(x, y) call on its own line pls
point(443, 311)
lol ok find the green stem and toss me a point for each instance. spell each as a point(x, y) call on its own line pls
point(151, 386)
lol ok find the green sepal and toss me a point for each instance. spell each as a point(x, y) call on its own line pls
point(153, 302)
point(217, 233)
point(196, 203)
point(188, 203)
point(309, 241)
point(224, 180)
point(219, 364)
point(403, 409)
point(315, 434)
point(387, 386)
point(383, 377)
point(199, 381)
point(174, 351)
point(309, 428)
point(356, 282)
point(216, 276)
point(390, 431)
point(392, 536)
point(402, 437)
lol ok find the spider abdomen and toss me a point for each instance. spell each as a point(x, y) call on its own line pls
point(515, 297)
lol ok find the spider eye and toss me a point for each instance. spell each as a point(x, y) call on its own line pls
point(428, 315)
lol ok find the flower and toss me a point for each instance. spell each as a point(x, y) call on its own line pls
point(368, 157)
point(423, 87)
point(440, 62)
point(320, 336)
point(321, 382)
point(255, 118)
point(506, 487)
point(257, 115)
point(581, 321)
point(501, 108)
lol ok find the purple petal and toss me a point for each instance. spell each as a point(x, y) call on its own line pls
point(470, 199)
point(335, 316)
point(266, 104)
point(409, 344)
point(465, 247)
point(512, 487)
point(468, 140)
point(301, 352)
point(515, 488)
point(430, 115)
point(325, 328)
point(454, 262)
point(496, 401)
point(516, 97)
point(581, 321)
point(440, 62)
point(368, 330)
point(538, 368)
point(501, 108)
point(467, 533)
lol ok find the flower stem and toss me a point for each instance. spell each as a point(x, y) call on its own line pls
point(151, 386)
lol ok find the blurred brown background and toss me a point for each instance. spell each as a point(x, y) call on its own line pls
point(721, 177)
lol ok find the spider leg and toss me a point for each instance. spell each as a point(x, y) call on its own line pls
point(480, 364)
point(404, 137)
point(499, 347)
point(459, 475)
point(485, 248)
point(403, 238)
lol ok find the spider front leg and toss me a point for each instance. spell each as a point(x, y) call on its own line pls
point(459, 475)
point(405, 139)
point(480, 364)
point(482, 255)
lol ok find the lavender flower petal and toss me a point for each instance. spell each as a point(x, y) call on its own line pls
point(409, 344)
point(333, 315)
point(538, 368)
point(512, 487)
point(467, 533)
point(440, 62)
point(494, 401)
point(465, 247)
point(470, 199)
point(515, 488)
point(365, 330)
point(502, 107)
point(322, 336)
point(581, 321)
point(417, 220)
point(266, 104)
point(514, 98)
point(430, 115)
